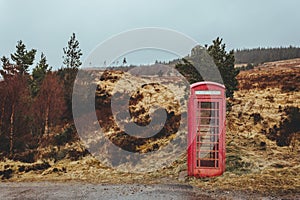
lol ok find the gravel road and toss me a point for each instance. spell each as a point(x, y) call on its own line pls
point(77, 190)
point(72, 191)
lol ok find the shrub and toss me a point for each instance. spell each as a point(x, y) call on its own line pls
point(270, 98)
point(235, 163)
point(26, 157)
point(6, 174)
point(35, 167)
point(289, 88)
point(256, 118)
point(287, 127)
point(66, 136)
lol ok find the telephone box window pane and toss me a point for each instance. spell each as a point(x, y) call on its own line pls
point(209, 113)
point(207, 155)
point(206, 113)
point(205, 121)
point(204, 129)
point(206, 146)
point(207, 163)
point(207, 105)
point(209, 121)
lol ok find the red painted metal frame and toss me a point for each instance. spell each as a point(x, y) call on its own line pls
point(193, 170)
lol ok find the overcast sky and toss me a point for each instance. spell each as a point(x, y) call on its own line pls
point(47, 25)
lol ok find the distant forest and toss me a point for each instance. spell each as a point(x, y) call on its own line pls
point(262, 55)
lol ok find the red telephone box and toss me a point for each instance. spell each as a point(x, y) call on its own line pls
point(206, 129)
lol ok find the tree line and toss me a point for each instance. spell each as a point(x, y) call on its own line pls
point(262, 55)
point(34, 102)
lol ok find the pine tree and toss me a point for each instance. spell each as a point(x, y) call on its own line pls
point(39, 73)
point(187, 69)
point(225, 63)
point(72, 52)
point(23, 58)
point(223, 60)
point(15, 100)
point(8, 69)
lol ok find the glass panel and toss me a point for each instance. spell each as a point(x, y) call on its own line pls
point(207, 163)
point(205, 121)
point(207, 155)
point(209, 146)
point(209, 113)
point(207, 105)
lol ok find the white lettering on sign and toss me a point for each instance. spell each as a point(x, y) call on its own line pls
point(207, 92)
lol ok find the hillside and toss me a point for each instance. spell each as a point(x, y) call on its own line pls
point(255, 162)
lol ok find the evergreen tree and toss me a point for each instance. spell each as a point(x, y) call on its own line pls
point(39, 73)
point(225, 63)
point(223, 60)
point(15, 101)
point(187, 69)
point(23, 58)
point(72, 53)
point(8, 69)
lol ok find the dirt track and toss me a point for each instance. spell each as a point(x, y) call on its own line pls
point(72, 191)
point(47, 190)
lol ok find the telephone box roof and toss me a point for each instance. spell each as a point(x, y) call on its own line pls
point(206, 83)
